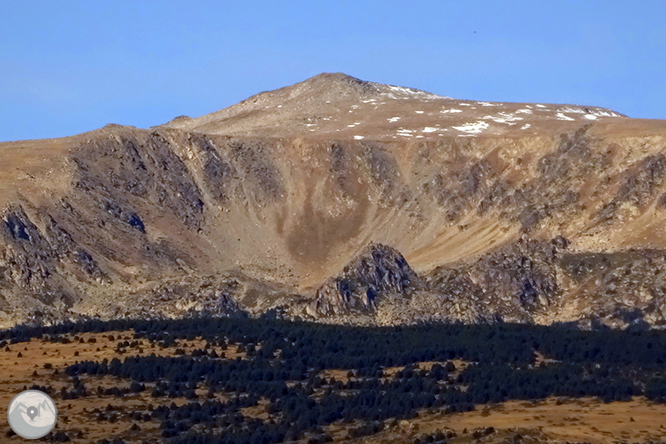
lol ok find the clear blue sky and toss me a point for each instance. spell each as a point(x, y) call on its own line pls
point(71, 66)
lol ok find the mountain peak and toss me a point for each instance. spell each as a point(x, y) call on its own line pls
point(339, 82)
point(327, 86)
point(340, 106)
point(334, 78)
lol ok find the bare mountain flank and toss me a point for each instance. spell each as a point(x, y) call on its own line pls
point(342, 200)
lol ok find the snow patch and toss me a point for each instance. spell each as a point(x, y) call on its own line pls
point(359, 137)
point(487, 104)
point(401, 92)
point(430, 129)
point(472, 127)
point(571, 109)
point(393, 119)
point(524, 127)
point(590, 117)
point(597, 112)
point(503, 118)
point(561, 116)
point(418, 112)
point(450, 110)
point(540, 105)
point(603, 113)
point(524, 111)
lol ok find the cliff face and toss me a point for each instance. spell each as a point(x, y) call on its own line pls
point(342, 200)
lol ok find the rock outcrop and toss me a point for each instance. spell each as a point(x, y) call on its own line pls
point(379, 270)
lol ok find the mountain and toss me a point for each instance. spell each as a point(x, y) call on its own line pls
point(342, 200)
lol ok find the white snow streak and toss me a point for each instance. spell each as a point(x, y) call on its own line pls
point(472, 127)
point(561, 116)
point(401, 93)
point(503, 118)
point(571, 109)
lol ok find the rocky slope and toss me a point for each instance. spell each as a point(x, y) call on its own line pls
point(345, 201)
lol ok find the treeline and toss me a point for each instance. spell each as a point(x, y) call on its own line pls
point(326, 346)
point(284, 363)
